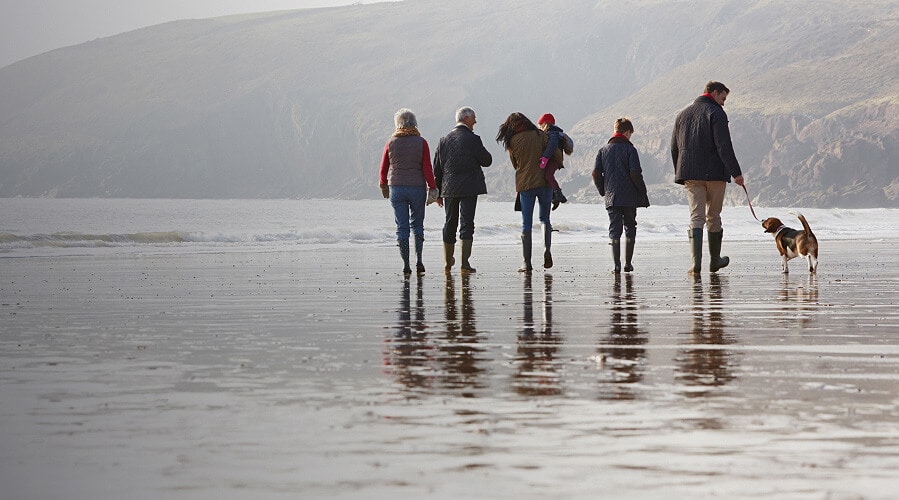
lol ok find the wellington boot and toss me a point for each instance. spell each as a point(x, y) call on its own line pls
point(717, 261)
point(616, 255)
point(466, 253)
point(448, 249)
point(526, 251)
point(419, 252)
point(628, 254)
point(404, 253)
point(695, 250)
point(547, 245)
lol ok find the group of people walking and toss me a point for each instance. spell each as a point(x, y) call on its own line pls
point(701, 150)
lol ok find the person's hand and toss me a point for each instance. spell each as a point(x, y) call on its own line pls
point(440, 202)
point(433, 196)
point(385, 190)
point(543, 161)
point(738, 180)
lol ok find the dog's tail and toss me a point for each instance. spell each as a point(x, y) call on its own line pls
point(801, 218)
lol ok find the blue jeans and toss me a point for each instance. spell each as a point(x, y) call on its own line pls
point(459, 213)
point(622, 216)
point(542, 196)
point(409, 210)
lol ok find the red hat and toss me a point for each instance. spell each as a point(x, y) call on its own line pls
point(547, 118)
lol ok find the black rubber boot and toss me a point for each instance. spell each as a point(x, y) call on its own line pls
point(526, 251)
point(404, 253)
point(547, 245)
point(616, 255)
point(628, 254)
point(419, 250)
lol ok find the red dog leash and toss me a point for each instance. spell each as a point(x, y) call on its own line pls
point(750, 203)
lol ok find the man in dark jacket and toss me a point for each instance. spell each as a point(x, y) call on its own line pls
point(619, 179)
point(458, 163)
point(704, 162)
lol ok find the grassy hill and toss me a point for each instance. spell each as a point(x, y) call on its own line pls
point(299, 103)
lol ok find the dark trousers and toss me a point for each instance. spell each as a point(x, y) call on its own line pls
point(459, 213)
point(622, 216)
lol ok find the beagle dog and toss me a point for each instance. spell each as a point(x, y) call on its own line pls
point(792, 243)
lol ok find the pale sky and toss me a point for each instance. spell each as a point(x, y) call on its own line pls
point(31, 27)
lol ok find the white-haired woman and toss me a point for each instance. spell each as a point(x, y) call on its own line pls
point(406, 176)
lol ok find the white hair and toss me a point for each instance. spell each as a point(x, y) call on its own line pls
point(463, 113)
point(405, 118)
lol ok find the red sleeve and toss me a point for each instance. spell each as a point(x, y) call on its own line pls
point(426, 167)
point(385, 164)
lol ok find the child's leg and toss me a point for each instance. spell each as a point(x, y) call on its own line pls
point(550, 174)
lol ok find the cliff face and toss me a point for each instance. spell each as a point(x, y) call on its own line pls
point(299, 103)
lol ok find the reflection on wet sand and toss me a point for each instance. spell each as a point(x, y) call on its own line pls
point(458, 351)
point(426, 358)
point(409, 347)
point(802, 293)
point(805, 292)
point(537, 371)
point(622, 359)
point(708, 363)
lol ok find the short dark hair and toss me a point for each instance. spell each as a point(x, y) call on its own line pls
point(623, 125)
point(714, 86)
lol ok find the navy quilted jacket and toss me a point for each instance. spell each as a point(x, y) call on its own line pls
point(700, 144)
point(457, 164)
point(618, 176)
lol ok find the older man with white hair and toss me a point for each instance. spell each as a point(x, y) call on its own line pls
point(458, 162)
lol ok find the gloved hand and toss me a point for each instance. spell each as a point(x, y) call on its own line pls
point(385, 190)
point(432, 196)
point(543, 161)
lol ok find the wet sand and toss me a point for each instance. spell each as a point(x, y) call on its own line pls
point(326, 373)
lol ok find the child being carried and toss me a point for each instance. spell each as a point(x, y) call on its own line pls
point(558, 139)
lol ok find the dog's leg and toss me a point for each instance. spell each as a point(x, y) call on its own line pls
point(812, 263)
point(786, 270)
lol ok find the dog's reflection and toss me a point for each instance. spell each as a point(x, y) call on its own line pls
point(621, 356)
point(409, 348)
point(800, 300)
point(707, 362)
point(458, 351)
point(802, 291)
point(537, 371)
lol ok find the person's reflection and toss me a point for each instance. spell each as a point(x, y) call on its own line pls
point(537, 373)
point(621, 357)
point(458, 350)
point(409, 347)
point(709, 363)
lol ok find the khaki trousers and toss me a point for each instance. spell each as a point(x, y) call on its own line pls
point(706, 199)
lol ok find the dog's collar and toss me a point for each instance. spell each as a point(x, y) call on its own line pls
point(781, 228)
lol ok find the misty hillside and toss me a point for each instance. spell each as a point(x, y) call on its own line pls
point(298, 104)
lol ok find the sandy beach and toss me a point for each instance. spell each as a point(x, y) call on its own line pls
point(326, 373)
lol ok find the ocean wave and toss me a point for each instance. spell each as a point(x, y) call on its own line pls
point(71, 239)
point(75, 239)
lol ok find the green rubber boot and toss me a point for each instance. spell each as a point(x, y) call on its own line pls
point(448, 249)
point(717, 261)
point(466, 253)
point(695, 250)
